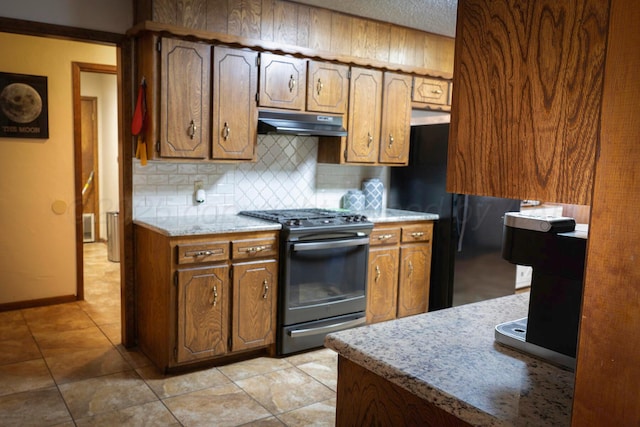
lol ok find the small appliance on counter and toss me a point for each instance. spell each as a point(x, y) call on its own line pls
point(556, 250)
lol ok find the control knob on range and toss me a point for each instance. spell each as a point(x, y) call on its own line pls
point(294, 222)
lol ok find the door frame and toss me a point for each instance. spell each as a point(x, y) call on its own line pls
point(76, 69)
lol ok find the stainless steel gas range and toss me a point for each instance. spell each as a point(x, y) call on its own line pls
point(323, 274)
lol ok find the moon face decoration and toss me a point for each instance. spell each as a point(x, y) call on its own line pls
point(20, 102)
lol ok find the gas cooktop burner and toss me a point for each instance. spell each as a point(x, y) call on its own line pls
point(305, 218)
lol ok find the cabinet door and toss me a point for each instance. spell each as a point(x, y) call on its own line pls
point(254, 304)
point(235, 114)
point(431, 91)
point(382, 286)
point(184, 99)
point(327, 87)
point(527, 99)
point(396, 119)
point(415, 273)
point(203, 307)
point(365, 105)
point(283, 81)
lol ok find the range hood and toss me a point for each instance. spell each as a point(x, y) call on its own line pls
point(298, 123)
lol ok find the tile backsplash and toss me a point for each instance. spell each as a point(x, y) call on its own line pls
point(286, 175)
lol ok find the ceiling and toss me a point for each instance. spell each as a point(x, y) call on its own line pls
point(433, 16)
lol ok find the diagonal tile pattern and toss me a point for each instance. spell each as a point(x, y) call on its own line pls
point(64, 365)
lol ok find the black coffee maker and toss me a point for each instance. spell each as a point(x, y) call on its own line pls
point(556, 252)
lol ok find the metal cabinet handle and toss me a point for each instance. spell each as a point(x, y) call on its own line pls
point(319, 86)
point(377, 273)
point(226, 131)
point(255, 249)
point(410, 268)
point(390, 140)
point(385, 236)
point(192, 129)
point(215, 295)
point(196, 254)
point(417, 234)
point(265, 285)
point(369, 138)
point(292, 83)
point(437, 91)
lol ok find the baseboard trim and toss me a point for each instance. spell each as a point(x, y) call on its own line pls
point(37, 302)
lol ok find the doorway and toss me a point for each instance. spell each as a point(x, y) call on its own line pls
point(96, 155)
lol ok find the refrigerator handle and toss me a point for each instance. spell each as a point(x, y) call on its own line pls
point(462, 228)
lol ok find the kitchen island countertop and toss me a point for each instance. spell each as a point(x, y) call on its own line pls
point(215, 224)
point(449, 358)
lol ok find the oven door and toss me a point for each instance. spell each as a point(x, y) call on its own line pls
point(324, 278)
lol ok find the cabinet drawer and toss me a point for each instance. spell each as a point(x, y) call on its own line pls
point(384, 236)
point(254, 248)
point(432, 91)
point(417, 233)
point(190, 253)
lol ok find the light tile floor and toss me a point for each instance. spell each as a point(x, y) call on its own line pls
point(64, 365)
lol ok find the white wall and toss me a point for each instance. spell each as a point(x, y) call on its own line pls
point(286, 175)
point(104, 87)
point(114, 16)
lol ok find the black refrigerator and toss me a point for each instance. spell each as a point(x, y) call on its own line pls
point(467, 264)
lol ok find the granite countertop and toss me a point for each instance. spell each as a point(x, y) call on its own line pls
point(396, 215)
point(215, 224)
point(449, 358)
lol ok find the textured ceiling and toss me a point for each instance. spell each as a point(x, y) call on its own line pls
point(434, 16)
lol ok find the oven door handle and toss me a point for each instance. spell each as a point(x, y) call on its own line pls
point(331, 244)
point(326, 329)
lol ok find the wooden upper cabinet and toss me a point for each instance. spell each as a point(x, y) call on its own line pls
point(527, 99)
point(365, 108)
point(235, 113)
point(430, 91)
point(327, 87)
point(396, 119)
point(185, 88)
point(283, 81)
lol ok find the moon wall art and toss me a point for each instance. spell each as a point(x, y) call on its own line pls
point(23, 106)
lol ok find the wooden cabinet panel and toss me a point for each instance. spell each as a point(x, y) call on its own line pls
point(185, 89)
point(396, 119)
point(190, 253)
point(203, 310)
point(254, 304)
point(283, 81)
point(431, 91)
point(527, 99)
point(417, 233)
point(254, 248)
point(382, 286)
point(384, 236)
point(327, 87)
point(415, 272)
point(235, 113)
point(365, 107)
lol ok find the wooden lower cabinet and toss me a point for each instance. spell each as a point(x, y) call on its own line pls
point(367, 399)
point(203, 311)
point(382, 290)
point(399, 270)
point(201, 299)
point(254, 304)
